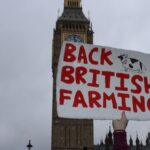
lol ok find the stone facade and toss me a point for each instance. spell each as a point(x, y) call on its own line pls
point(69, 134)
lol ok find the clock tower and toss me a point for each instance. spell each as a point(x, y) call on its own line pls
point(72, 25)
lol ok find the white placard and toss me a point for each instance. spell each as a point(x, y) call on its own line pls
point(96, 82)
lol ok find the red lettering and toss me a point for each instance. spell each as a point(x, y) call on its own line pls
point(105, 57)
point(64, 97)
point(148, 104)
point(95, 73)
point(94, 62)
point(108, 76)
point(82, 55)
point(68, 55)
point(79, 100)
point(146, 85)
point(122, 77)
point(94, 97)
point(109, 98)
point(138, 104)
point(123, 102)
point(66, 74)
point(134, 79)
point(80, 72)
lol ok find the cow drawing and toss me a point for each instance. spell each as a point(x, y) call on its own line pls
point(132, 64)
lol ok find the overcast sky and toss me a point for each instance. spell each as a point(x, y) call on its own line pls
point(26, 32)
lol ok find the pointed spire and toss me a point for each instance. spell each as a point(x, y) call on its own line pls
point(58, 13)
point(106, 140)
point(137, 141)
point(131, 141)
point(149, 135)
point(110, 133)
point(101, 143)
point(109, 128)
point(110, 140)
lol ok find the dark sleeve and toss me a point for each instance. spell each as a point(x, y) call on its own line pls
point(120, 141)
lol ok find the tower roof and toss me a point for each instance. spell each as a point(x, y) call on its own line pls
point(73, 11)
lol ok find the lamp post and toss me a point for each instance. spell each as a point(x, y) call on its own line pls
point(29, 146)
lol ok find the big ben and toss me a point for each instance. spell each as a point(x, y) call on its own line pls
point(72, 25)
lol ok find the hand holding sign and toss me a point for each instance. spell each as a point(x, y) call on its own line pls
point(120, 124)
point(120, 139)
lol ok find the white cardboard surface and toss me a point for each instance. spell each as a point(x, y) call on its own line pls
point(79, 99)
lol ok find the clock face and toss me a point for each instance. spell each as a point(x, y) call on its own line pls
point(74, 38)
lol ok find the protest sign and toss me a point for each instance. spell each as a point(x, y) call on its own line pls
point(96, 82)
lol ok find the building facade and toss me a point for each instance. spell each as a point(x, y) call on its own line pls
point(108, 143)
point(72, 25)
point(74, 134)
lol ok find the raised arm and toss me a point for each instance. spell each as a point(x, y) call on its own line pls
point(120, 139)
